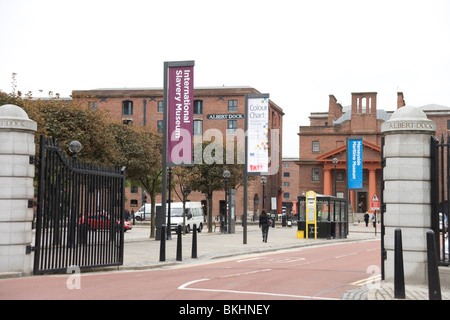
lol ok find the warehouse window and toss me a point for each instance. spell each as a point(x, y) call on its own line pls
point(127, 108)
point(232, 105)
point(198, 107)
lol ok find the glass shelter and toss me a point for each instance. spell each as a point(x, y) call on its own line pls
point(331, 217)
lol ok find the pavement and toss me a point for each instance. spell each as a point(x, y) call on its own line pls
point(141, 252)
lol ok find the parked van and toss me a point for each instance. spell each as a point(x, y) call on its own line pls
point(194, 215)
point(144, 212)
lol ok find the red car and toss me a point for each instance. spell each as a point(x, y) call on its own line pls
point(102, 221)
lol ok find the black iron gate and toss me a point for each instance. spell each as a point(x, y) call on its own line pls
point(79, 219)
point(440, 195)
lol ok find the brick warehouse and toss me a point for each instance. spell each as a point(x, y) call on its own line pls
point(220, 108)
point(325, 139)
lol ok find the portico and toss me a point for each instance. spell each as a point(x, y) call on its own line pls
point(371, 166)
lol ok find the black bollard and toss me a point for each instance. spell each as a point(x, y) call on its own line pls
point(399, 276)
point(162, 248)
point(179, 243)
point(194, 242)
point(434, 286)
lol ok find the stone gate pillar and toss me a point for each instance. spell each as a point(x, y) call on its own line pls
point(407, 187)
point(16, 189)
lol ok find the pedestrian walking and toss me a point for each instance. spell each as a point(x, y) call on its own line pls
point(374, 220)
point(264, 222)
point(366, 219)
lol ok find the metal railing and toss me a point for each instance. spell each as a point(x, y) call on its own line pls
point(79, 218)
point(440, 195)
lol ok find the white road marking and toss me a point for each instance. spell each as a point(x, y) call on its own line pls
point(244, 260)
point(346, 255)
point(241, 274)
point(185, 287)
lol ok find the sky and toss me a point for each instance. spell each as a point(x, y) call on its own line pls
point(299, 51)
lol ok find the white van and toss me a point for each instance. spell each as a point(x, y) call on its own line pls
point(194, 215)
point(144, 212)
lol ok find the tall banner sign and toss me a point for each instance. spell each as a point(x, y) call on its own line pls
point(178, 128)
point(355, 163)
point(256, 143)
point(257, 118)
point(180, 104)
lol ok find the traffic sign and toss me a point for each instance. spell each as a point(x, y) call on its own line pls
point(375, 203)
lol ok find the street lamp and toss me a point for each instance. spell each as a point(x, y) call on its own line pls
point(335, 162)
point(74, 148)
point(226, 176)
point(263, 182)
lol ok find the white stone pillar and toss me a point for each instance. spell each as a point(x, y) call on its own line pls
point(16, 189)
point(407, 190)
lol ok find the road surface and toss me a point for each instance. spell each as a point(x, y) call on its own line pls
point(318, 273)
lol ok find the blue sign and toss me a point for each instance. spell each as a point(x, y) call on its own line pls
point(355, 163)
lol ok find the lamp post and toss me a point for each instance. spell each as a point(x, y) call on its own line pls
point(226, 176)
point(75, 147)
point(335, 162)
point(263, 182)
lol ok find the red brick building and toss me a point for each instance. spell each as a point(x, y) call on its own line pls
point(290, 183)
point(220, 108)
point(325, 139)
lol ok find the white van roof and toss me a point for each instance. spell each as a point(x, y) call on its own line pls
point(188, 204)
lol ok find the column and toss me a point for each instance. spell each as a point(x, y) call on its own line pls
point(16, 189)
point(407, 190)
point(327, 183)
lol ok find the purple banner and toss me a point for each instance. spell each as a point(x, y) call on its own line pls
point(180, 104)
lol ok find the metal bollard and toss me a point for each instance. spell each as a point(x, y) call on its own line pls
point(162, 248)
point(194, 242)
point(179, 243)
point(399, 276)
point(434, 286)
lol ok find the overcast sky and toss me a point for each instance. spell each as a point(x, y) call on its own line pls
point(299, 52)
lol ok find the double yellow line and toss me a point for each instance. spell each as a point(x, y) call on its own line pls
point(371, 280)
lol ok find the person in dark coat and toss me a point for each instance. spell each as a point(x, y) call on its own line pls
point(264, 222)
point(366, 219)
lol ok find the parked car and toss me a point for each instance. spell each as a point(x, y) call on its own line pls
point(443, 223)
point(102, 221)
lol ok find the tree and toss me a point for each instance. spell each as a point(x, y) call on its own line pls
point(140, 149)
point(207, 177)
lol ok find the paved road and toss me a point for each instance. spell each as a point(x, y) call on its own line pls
point(323, 272)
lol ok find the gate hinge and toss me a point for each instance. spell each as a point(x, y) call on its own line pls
point(29, 249)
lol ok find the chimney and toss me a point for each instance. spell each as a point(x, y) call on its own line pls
point(400, 100)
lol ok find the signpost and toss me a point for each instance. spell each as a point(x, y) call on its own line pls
point(375, 205)
point(311, 212)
